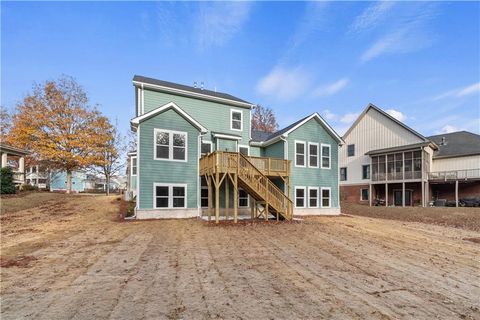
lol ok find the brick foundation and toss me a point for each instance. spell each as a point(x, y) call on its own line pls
point(352, 193)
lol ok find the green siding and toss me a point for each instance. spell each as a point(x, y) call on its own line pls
point(255, 151)
point(312, 131)
point(226, 145)
point(275, 150)
point(160, 171)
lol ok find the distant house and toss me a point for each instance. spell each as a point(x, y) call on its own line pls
point(197, 156)
point(384, 159)
point(58, 181)
point(37, 176)
point(14, 158)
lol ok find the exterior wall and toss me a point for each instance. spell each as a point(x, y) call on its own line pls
point(353, 193)
point(378, 192)
point(58, 181)
point(456, 163)
point(226, 145)
point(312, 131)
point(373, 131)
point(163, 171)
point(447, 190)
point(255, 151)
point(276, 150)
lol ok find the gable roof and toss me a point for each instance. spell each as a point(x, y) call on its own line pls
point(171, 105)
point(191, 91)
point(374, 107)
point(268, 138)
point(461, 143)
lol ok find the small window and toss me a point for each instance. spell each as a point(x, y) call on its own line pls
point(343, 174)
point(134, 166)
point(325, 156)
point(299, 154)
point(170, 196)
point(351, 150)
point(236, 120)
point(204, 194)
point(313, 197)
point(205, 148)
point(170, 145)
point(326, 198)
point(364, 194)
point(300, 197)
point(242, 198)
point(313, 155)
point(245, 150)
point(366, 171)
point(161, 196)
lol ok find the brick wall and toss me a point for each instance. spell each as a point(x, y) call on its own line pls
point(352, 193)
point(447, 190)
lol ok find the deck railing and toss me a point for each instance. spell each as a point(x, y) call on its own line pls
point(455, 175)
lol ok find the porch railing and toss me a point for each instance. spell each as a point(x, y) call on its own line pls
point(455, 175)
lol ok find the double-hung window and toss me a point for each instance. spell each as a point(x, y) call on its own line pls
point(326, 199)
point(343, 174)
point(242, 198)
point(236, 118)
point(205, 148)
point(351, 150)
point(364, 195)
point(300, 197)
point(134, 166)
point(366, 171)
point(313, 155)
point(170, 145)
point(312, 197)
point(325, 156)
point(300, 153)
point(170, 196)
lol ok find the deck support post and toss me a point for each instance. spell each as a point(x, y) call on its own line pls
point(403, 194)
point(386, 194)
point(423, 193)
point(253, 209)
point(227, 198)
point(217, 198)
point(235, 198)
point(209, 186)
point(370, 195)
point(456, 193)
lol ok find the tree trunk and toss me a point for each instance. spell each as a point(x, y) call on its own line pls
point(107, 180)
point(69, 181)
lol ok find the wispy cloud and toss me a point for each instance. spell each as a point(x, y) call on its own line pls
point(327, 114)
point(349, 118)
point(331, 89)
point(218, 22)
point(372, 16)
point(284, 83)
point(396, 114)
point(458, 93)
point(459, 125)
point(448, 129)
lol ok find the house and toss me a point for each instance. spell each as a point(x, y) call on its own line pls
point(58, 181)
point(197, 156)
point(383, 161)
point(37, 176)
point(14, 158)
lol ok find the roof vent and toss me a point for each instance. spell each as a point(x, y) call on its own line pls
point(444, 142)
point(201, 85)
point(194, 84)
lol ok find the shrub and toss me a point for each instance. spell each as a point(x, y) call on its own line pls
point(28, 187)
point(6, 181)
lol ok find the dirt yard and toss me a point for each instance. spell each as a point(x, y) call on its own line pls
point(72, 259)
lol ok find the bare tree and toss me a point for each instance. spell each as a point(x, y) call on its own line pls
point(263, 119)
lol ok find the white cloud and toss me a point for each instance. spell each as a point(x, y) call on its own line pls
point(284, 84)
point(218, 22)
point(396, 114)
point(448, 129)
point(372, 16)
point(327, 114)
point(471, 89)
point(331, 89)
point(349, 117)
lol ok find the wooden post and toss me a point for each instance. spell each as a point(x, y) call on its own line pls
point(266, 211)
point(209, 186)
point(235, 198)
point(423, 193)
point(253, 209)
point(217, 198)
point(227, 197)
point(456, 193)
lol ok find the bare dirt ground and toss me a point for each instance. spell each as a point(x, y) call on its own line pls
point(74, 260)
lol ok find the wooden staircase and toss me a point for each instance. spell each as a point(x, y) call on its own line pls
point(268, 199)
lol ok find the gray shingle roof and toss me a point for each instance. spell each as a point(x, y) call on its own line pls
point(259, 136)
point(459, 143)
point(177, 86)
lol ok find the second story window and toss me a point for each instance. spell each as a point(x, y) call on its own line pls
point(206, 148)
point(134, 166)
point(366, 171)
point(170, 145)
point(299, 154)
point(351, 150)
point(325, 156)
point(313, 155)
point(343, 174)
point(244, 150)
point(236, 117)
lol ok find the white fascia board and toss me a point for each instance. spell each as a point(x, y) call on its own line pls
point(193, 94)
point(268, 142)
point(226, 136)
point(320, 119)
point(171, 105)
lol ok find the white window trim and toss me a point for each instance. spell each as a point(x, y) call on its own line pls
point(170, 195)
point(305, 153)
point(361, 189)
point(248, 199)
point(318, 196)
point(340, 174)
point(206, 142)
point(244, 146)
point(241, 119)
point(170, 145)
point(305, 197)
point(369, 172)
point(318, 154)
point(329, 155)
point(131, 166)
point(329, 198)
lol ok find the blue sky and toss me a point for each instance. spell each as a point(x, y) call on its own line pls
point(418, 60)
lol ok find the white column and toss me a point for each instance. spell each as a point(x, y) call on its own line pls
point(386, 194)
point(21, 165)
point(423, 193)
point(4, 159)
point(370, 194)
point(456, 193)
point(403, 194)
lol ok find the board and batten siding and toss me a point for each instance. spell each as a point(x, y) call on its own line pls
point(456, 163)
point(312, 131)
point(374, 131)
point(162, 171)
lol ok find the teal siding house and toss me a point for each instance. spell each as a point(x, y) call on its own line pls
point(198, 157)
point(58, 181)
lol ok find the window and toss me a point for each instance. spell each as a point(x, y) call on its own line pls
point(242, 198)
point(343, 174)
point(300, 197)
point(313, 155)
point(245, 150)
point(170, 145)
point(366, 171)
point(299, 154)
point(134, 166)
point(236, 120)
point(313, 197)
point(325, 197)
point(325, 156)
point(205, 148)
point(170, 196)
point(351, 150)
point(204, 194)
point(364, 194)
